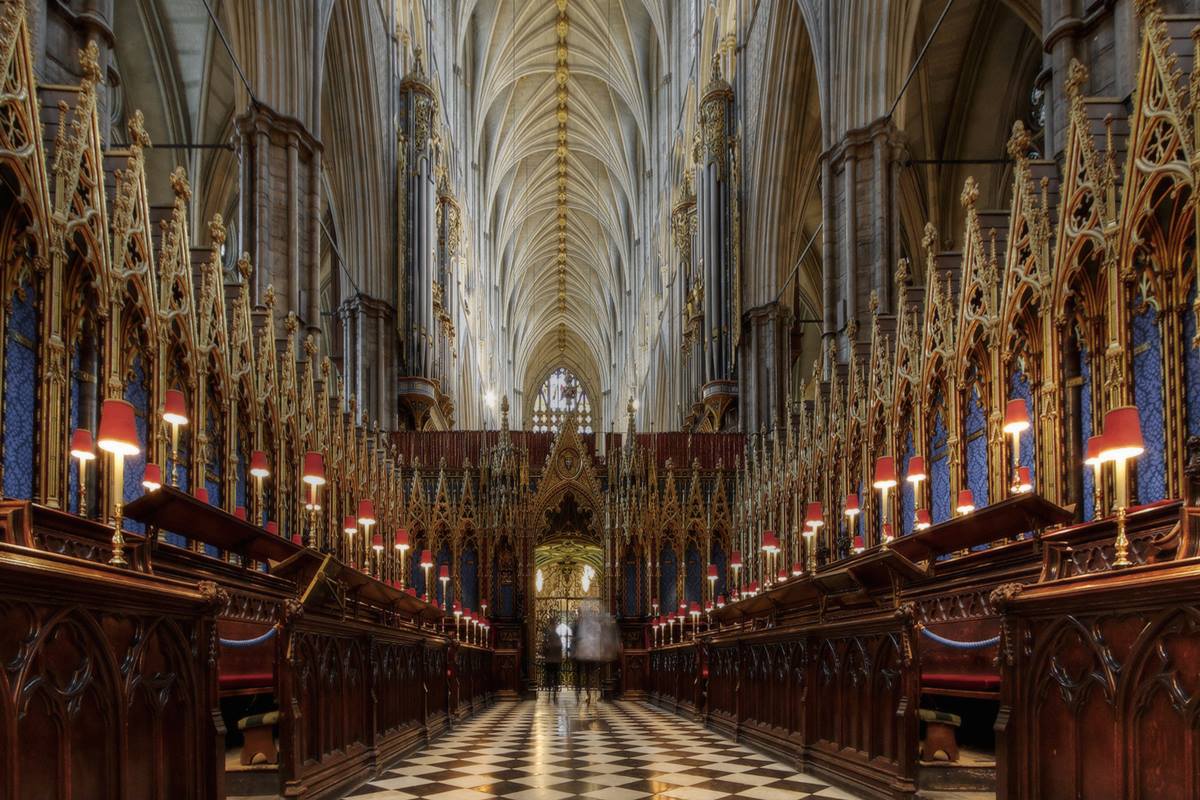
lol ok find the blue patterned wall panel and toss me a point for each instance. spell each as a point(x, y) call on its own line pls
point(1192, 365)
point(1018, 386)
point(693, 578)
point(907, 495)
point(629, 589)
point(1148, 395)
point(939, 466)
point(668, 572)
point(137, 394)
point(468, 575)
point(20, 378)
point(416, 575)
point(240, 478)
point(975, 430)
point(1085, 430)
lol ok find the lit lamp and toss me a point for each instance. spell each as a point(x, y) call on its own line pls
point(1016, 421)
point(426, 563)
point(175, 415)
point(1095, 447)
point(457, 615)
point(258, 470)
point(402, 545)
point(83, 450)
point(885, 480)
point(670, 626)
point(694, 612)
point(349, 525)
point(858, 544)
point(720, 601)
point(444, 577)
point(966, 502)
point(814, 519)
point(914, 475)
point(852, 511)
point(152, 478)
point(654, 606)
point(735, 564)
point(366, 518)
point(712, 579)
point(314, 477)
point(797, 569)
point(1122, 441)
point(770, 546)
point(923, 520)
point(1024, 481)
point(118, 436)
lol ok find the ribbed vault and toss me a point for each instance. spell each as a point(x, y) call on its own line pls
point(552, 189)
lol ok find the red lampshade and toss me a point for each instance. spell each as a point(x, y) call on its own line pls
point(82, 445)
point(815, 517)
point(118, 428)
point(923, 519)
point(201, 494)
point(273, 527)
point(708, 607)
point(735, 559)
point(349, 524)
point(1122, 434)
point(885, 472)
point(1016, 416)
point(1024, 480)
point(401, 539)
point(296, 539)
point(694, 609)
point(797, 569)
point(852, 508)
point(240, 512)
point(682, 609)
point(966, 502)
point(314, 468)
point(916, 469)
point(258, 464)
point(411, 591)
point(444, 572)
point(426, 558)
point(753, 587)
point(858, 543)
point(175, 407)
point(887, 531)
point(712, 572)
point(152, 478)
point(720, 601)
point(366, 512)
point(377, 541)
point(770, 542)
point(1095, 451)
point(457, 607)
point(781, 575)
point(671, 618)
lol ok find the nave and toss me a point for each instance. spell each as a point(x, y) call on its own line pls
point(558, 748)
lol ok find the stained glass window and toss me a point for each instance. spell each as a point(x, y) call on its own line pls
point(975, 431)
point(561, 393)
point(1148, 395)
point(1085, 426)
point(939, 463)
point(907, 495)
point(20, 378)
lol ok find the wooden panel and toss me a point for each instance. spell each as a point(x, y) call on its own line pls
point(108, 688)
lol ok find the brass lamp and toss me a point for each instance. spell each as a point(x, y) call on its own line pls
point(118, 436)
point(1122, 441)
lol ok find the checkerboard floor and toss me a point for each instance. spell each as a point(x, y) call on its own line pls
point(551, 750)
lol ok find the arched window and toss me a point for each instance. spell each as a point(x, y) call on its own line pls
point(561, 393)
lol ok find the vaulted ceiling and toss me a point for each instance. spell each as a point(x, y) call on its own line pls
point(563, 115)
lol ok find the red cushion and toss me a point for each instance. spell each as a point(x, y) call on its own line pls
point(264, 680)
point(978, 682)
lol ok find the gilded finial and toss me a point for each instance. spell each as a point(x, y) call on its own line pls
point(216, 231)
point(180, 185)
point(269, 297)
point(137, 130)
point(244, 267)
point(89, 62)
point(873, 303)
point(970, 192)
point(291, 323)
point(310, 346)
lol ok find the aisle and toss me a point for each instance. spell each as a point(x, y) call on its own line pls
point(543, 750)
